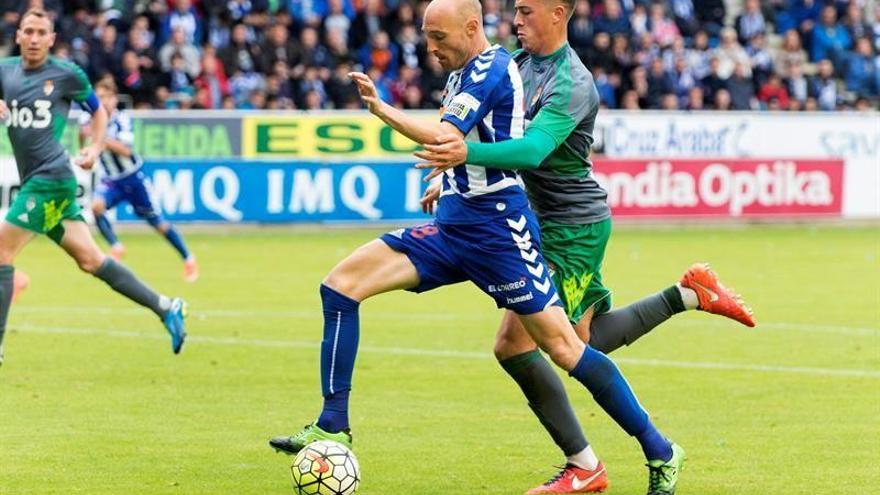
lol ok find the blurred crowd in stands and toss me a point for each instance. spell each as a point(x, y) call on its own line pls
point(788, 55)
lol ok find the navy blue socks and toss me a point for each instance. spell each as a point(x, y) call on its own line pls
point(612, 392)
point(338, 352)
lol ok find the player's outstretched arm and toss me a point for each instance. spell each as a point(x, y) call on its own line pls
point(419, 130)
point(513, 154)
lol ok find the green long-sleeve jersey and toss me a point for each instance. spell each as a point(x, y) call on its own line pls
point(554, 155)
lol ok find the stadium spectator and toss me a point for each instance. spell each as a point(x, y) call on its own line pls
point(830, 38)
point(185, 17)
point(380, 54)
point(106, 53)
point(729, 53)
point(211, 85)
point(180, 83)
point(663, 29)
point(638, 21)
point(695, 99)
point(136, 83)
point(342, 91)
point(433, 82)
point(612, 20)
point(722, 101)
point(340, 17)
point(711, 14)
point(312, 53)
point(825, 87)
point(337, 47)
point(684, 79)
point(760, 59)
point(797, 84)
point(855, 24)
point(789, 54)
point(630, 101)
point(607, 90)
point(279, 47)
point(660, 82)
point(685, 17)
point(367, 23)
point(698, 55)
point(773, 91)
point(153, 49)
point(669, 102)
point(580, 29)
point(862, 73)
point(411, 52)
point(802, 15)
point(178, 44)
point(751, 22)
point(741, 89)
point(714, 81)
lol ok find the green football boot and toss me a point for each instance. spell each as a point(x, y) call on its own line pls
point(311, 433)
point(663, 476)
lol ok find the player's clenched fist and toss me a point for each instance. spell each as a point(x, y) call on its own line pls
point(88, 156)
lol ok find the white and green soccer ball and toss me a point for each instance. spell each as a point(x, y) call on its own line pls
point(325, 468)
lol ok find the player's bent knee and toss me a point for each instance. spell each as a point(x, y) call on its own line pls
point(508, 345)
point(89, 263)
point(342, 282)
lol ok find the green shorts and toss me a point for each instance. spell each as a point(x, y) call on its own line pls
point(574, 254)
point(42, 204)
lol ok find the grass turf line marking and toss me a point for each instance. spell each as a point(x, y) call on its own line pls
point(311, 313)
point(402, 351)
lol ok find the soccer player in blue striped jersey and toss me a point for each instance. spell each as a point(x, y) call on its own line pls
point(484, 232)
point(124, 181)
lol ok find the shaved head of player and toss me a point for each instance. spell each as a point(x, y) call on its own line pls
point(454, 30)
point(35, 36)
point(542, 25)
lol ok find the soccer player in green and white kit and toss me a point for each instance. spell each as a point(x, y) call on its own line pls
point(553, 156)
point(36, 91)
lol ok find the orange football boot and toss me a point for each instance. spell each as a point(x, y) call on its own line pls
point(714, 297)
point(572, 479)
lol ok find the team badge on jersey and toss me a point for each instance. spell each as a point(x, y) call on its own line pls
point(48, 87)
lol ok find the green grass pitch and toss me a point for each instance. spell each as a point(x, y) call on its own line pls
point(93, 402)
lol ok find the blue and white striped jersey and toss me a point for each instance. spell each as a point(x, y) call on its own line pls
point(485, 101)
point(119, 128)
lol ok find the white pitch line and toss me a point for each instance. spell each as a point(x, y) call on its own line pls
point(439, 353)
point(487, 316)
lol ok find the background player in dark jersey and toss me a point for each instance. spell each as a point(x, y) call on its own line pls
point(466, 242)
point(36, 91)
point(123, 181)
point(553, 157)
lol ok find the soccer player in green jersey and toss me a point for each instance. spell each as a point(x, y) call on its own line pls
point(553, 157)
point(36, 91)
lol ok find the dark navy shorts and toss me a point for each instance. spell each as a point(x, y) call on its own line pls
point(131, 189)
point(502, 257)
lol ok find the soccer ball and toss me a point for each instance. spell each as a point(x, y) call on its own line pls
point(325, 468)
